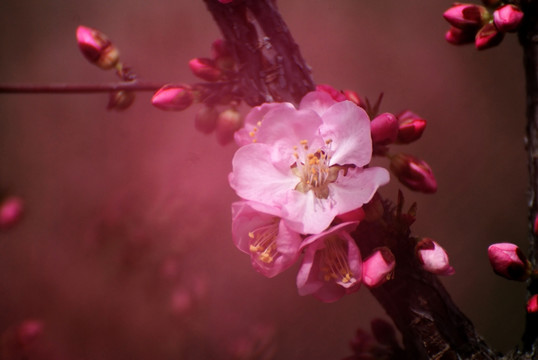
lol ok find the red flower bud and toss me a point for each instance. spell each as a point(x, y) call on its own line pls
point(335, 94)
point(97, 48)
point(205, 120)
point(378, 267)
point(228, 122)
point(509, 261)
point(384, 129)
point(433, 257)
point(467, 16)
point(507, 18)
point(172, 98)
point(488, 36)
point(458, 36)
point(11, 211)
point(414, 173)
point(354, 97)
point(532, 304)
point(411, 127)
point(205, 69)
point(120, 100)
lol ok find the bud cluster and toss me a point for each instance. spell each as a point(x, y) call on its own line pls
point(97, 48)
point(481, 25)
point(218, 71)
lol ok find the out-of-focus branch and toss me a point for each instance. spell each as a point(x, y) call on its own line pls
point(528, 37)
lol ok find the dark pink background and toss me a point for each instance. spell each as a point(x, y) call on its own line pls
point(111, 197)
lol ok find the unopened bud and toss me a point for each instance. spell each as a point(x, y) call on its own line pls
point(205, 69)
point(11, 211)
point(410, 127)
point(335, 94)
point(228, 122)
point(457, 36)
point(507, 18)
point(532, 304)
point(414, 173)
point(384, 129)
point(433, 257)
point(378, 267)
point(508, 261)
point(97, 48)
point(353, 97)
point(205, 120)
point(120, 100)
point(488, 36)
point(467, 16)
point(172, 98)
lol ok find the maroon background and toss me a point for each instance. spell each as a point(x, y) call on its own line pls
point(112, 196)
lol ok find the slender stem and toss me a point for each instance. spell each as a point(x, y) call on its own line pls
point(64, 88)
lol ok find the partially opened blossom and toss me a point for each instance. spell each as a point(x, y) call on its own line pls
point(258, 230)
point(507, 18)
point(309, 161)
point(332, 265)
point(378, 267)
point(433, 257)
point(508, 261)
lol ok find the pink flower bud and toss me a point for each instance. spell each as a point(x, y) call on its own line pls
point(488, 36)
point(205, 69)
point(457, 36)
point(335, 94)
point(467, 16)
point(353, 97)
point(120, 100)
point(172, 98)
point(11, 211)
point(384, 129)
point(97, 48)
point(532, 304)
point(228, 122)
point(411, 127)
point(509, 261)
point(205, 120)
point(378, 267)
point(414, 173)
point(507, 18)
point(433, 257)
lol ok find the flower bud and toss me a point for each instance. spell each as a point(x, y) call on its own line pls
point(433, 257)
point(205, 120)
point(228, 122)
point(458, 36)
point(97, 48)
point(205, 69)
point(507, 18)
point(414, 173)
point(384, 129)
point(508, 261)
point(410, 127)
point(11, 211)
point(335, 94)
point(221, 54)
point(172, 98)
point(488, 36)
point(532, 304)
point(378, 267)
point(120, 100)
point(353, 97)
point(467, 16)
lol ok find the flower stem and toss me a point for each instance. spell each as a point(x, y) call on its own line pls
point(64, 88)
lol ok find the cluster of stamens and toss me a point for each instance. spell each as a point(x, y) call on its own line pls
point(263, 241)
point(254, 131)
point(334, 263)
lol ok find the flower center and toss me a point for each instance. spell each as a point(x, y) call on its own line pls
point(263, 241)
point(313, 169)
point(334, 263)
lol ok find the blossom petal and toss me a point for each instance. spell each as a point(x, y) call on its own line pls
point(254, 177)
point(307, 214)
point(348, 126)
point(318, 101)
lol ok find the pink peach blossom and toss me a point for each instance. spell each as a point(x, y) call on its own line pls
point(508, 261)
point(309, 162)
point(258, 230)
point(332, 265)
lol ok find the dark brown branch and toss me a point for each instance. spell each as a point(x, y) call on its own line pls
point(77, 88)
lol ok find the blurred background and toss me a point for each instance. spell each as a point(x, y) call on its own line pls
point(125, 249)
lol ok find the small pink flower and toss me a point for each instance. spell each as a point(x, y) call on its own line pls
point(310, 162)
point(507, 18)
point(172, 98)
point(433, 257)
point(258, 230)
point(332, 265)
point(384, 129)
point(378, 267)
point(509, 261)
point(414, 173)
